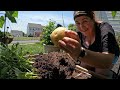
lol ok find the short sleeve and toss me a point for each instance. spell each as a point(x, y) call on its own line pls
point(109, 43)
point(108, 39)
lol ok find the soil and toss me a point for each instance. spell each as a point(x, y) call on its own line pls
point(58, 65)
point(54, 65)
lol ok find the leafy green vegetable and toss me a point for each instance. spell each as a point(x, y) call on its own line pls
point(13, 65)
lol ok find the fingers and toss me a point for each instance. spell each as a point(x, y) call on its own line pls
point(72, 34)
point(69, 44)
point(70, 41)
point(63, 46)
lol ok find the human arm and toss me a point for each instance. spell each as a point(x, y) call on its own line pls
point(97, 59)
point(71, 44)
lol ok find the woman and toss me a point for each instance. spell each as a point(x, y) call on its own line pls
point(94, 45)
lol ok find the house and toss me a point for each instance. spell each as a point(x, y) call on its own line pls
point(37, 33)
point(34, 29)
point(17, 33)
point(107, 17)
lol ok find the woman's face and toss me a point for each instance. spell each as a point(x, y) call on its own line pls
point(84, 24)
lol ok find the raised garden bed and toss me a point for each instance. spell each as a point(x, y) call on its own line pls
point(56, 65)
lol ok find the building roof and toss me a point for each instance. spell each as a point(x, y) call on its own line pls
point(15, 31)
point(34, 25)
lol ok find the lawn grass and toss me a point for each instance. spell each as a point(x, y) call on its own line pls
point(35, 48)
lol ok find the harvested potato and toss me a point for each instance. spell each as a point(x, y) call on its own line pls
point(57, 35)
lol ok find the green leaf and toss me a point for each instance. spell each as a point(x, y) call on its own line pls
point(10, 17)
point(72, 27)
point(15, 14)
point(47, 30)
point(2, 20)
point(17, 71)
point(30, 75)
point(114, 13)
point(11, 12)
point(4, 71)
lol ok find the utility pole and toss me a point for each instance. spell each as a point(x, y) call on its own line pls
point(63, 20)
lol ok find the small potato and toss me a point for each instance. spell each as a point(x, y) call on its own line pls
point(57, 35)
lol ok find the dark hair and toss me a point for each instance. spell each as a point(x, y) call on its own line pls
point(58, 25)
point(81, 13)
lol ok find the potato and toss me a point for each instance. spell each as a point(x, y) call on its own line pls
point(57, 35)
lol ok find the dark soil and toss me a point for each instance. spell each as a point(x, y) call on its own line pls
point(54, 65)
point(58, 65)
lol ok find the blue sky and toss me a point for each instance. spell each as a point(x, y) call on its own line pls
point(39, 17)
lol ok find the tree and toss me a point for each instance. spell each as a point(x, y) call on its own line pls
point(72, 27)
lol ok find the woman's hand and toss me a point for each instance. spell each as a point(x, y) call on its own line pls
point(71, 43)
